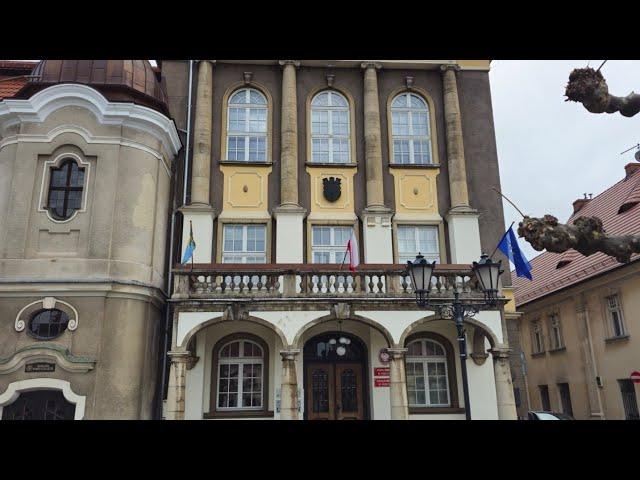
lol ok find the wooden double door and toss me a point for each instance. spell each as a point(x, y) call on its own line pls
point(334, 391)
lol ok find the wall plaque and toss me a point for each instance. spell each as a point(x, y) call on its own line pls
point(40, 367)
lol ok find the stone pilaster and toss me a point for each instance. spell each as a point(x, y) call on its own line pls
point(376, 218)
point(462, 220)
point(398, 384)
point(177, 384)
point(289, 386)
point(202, 132)
point(289, 214)
point(589, 359)
point(504, 386)
point(199, 212)
point(372, 137)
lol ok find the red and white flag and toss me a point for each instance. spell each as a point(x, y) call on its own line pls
point(352, 248)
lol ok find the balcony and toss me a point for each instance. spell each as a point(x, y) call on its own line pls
point(316, 282)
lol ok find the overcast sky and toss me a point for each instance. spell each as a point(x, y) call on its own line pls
point(550, 151)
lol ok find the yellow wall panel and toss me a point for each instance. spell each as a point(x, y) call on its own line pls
point(245, 187)
point(415, 190)
point(344, 204)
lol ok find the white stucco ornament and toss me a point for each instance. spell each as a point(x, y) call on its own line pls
point(46, 303)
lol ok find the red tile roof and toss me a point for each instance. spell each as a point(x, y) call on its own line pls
point(17, 65)
point(9, 86)
point(575, 267)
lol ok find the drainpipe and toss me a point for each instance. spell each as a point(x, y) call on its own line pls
point(171, 243)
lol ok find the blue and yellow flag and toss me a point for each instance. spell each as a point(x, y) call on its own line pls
point(191, 246)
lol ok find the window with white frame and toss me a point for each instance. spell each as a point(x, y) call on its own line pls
point(536, 337)
point(247, 126)
point(614, 313)
point(329, 244)
point(411, 136)
point(427, 374)
point(330, 128)
point(240, 376)
point(555, 330)
point(244, 244)
point(414, 239)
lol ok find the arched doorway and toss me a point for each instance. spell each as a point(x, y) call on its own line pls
point(335, 366)
point(39, 405)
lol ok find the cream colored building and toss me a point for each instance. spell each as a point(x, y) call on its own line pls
point(288, 158)
point(579, 326)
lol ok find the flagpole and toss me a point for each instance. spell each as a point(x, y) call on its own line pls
point(501, 238)
point(345, 256)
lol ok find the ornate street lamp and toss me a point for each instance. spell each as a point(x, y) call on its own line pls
point(487, 272)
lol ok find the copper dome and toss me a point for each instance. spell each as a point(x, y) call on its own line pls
point(118, 80)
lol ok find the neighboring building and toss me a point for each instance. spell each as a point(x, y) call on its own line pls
point(579, 326)
point(286, 160)
point(87, 150)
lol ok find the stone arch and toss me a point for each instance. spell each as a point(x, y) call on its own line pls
point(332, 317)
point(475, 323)
point(14, 389)
point(189, 335)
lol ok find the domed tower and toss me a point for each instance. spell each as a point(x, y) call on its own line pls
point(86, 155)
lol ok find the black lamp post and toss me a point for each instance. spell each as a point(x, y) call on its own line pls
point(487, 272)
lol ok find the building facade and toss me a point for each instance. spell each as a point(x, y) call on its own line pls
point(578, 327)
point(87, 151)
point(287, 160)
point(109, 168)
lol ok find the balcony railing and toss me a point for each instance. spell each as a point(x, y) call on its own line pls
point(315, 280)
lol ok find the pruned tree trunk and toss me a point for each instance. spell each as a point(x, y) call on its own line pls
point(586, 236)
point(588, 86)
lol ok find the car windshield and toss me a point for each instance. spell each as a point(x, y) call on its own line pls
point(546, 416)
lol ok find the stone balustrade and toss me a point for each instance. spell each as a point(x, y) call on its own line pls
point(316, 281)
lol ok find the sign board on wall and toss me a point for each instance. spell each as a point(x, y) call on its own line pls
point(381, 372)
point(40, 367)
point(381, 382)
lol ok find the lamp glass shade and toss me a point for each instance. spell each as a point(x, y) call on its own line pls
point(488, 273)
point(420, 271)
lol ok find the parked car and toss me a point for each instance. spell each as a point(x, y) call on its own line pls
point(548, 416)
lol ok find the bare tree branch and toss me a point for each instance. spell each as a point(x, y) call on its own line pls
point(586, 236)
point(588, 86)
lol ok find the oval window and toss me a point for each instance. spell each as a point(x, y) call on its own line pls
point(48, 324)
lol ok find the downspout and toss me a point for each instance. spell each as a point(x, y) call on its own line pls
point(167, 340)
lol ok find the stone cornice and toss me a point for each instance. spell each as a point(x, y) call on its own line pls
point(37, 108)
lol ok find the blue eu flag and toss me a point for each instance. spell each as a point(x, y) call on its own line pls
point(509, 246)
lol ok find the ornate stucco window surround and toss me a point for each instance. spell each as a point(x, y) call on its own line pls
point(47, 303)
point(75, 183)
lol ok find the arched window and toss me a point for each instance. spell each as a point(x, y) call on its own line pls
point(330, 128)
point(46, 324)
point(240, 375)
point(411, 136)
point(66, 183)
point(247, 126)
point(427, 372)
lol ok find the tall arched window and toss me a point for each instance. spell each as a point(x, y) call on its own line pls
point(239, 368)
point(247, 126)
point(427, 370)
point(330, 128)
point(66, 183)
point(410, 129)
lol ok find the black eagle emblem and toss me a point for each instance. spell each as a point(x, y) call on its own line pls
point(331, 188)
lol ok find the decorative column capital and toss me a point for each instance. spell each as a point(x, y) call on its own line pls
point(500, 353)
point(289, 354)
point(450, 66)
point(397, 353)
point(376, 65)
point(284, 63)
point(212, 62)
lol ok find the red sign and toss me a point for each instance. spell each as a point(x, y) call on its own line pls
point(381, 382)
point(635, 377)
point(381, 372)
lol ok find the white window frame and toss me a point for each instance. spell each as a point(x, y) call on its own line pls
point(330, 135)
point(555, 331)
point(240, 360)
point(425, 360)
point(244, 253)
point(429, 256)
point(336, 252)
point(610, 309)
point(411, 138)
point(247, 134)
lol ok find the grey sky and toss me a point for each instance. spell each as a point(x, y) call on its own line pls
point(551, 151)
